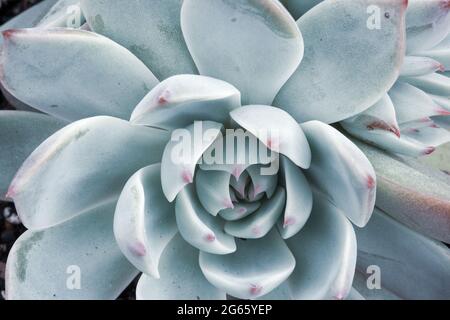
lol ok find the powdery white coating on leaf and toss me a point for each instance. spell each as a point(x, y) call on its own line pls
point(39, 262)
point(181, 277)
point(149, 29)
point(73, 74)
point(89, 160)
point(254, 45)
point(236, 273)
point(144, 222)
point(347, 67)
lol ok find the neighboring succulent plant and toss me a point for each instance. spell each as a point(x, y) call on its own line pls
point(283, 235)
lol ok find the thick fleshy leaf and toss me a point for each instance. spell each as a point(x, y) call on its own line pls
point(149, 29)
point(420, 66)
point(379, 117)
point(387, 141)
point(441, 53)
point(341, 171)
point(29, 18)
point(262, 182)
point(213, 190)
point(336, 80)
point(64, 14)
point(277, 130)
point(259, 224)
point(412, 103)
point(299, 200)
point(325, 251)
point(54, 71)
point(76, 260)
point(198, 227)
point(240, 210)
point(240, 184)
point(415, 195)
point(180, 100)
point(20, 133)
point(361, 281)
point(254, 45)
point(444, 102)
point(427, 24)
point(430, 136)
point(440, 159)
point(182, 154)
point(434, 83)
point(144, 222)
point(412, 266)
point(299, 7)
point(84, 164)
point(181, 277)
point(254, 270)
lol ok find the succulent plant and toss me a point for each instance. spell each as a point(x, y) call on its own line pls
point(140, 98)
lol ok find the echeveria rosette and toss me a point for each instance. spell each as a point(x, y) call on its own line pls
point(69, 209)
point(410, 118)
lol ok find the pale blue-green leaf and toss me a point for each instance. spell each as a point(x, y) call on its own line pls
point(180, 100)
point(432, 136)
point(412, 266)
point(444, 102)
point(262, 181)
point(412, 103)
point(254, 45)
point(144, 222)
point(240, 184)
point(259, 224)
point(213, 190)
point(182, 154)
point(341, 171)
point(64, 14)
point(325, 251)
point(363, 280)
point(277, 130)
point(254, 270)
point(198, 227)
point(20, 133)
point(149, 29)
point(433, 83)
point(73, 74)
point(440, 159)
point(427, 24)
point(415, 195)
point(381, 116)
point(84, 164)
point(326, 86)
point(419, 66)
point(78, 260)
point(181, 277)
point(241, 210)
point(299, 199)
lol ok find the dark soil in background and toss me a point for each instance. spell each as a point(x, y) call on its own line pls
point(10, 228)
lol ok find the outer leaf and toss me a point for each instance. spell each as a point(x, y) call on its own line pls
point(413, 266)
point(45, 264)
point(255, 269)
point(254, 45)
point(181, 277)
point(149, 29)
point(420, 66)
point(20, 133)
point(341, 171)
point(427, 24)
point(325, 251)
point(434, 83)
point(144, 222)
point(277, 130)
point(84, 164)
point(180, 100)
point(341, 74)
point(54, 71)
point(416, 196)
